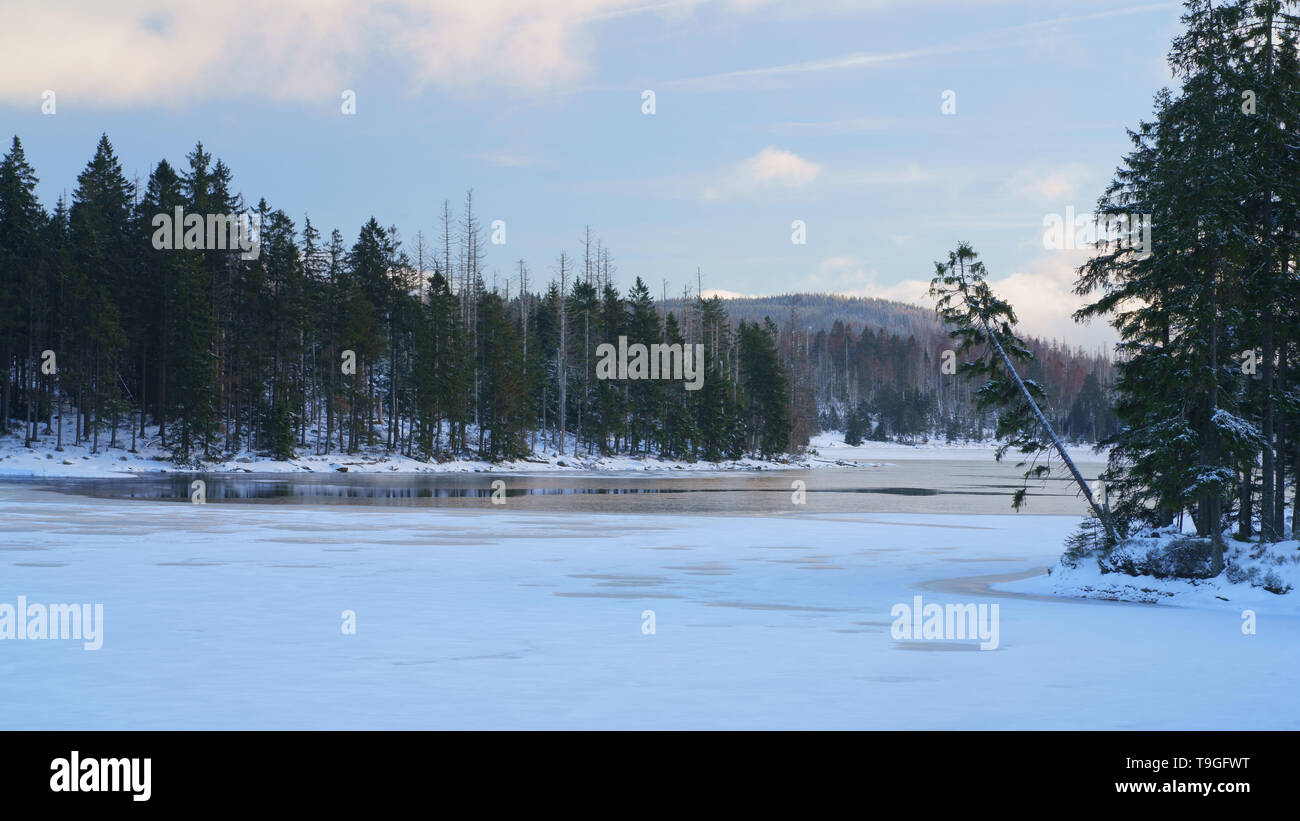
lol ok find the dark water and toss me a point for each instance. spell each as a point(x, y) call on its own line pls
point(922, 486)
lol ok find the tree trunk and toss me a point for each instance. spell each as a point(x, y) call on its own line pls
point(1266, 479)
point(1244, 524)
point(1102, 515)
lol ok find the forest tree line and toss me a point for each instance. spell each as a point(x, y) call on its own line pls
point(316, 344)
point(874, 385)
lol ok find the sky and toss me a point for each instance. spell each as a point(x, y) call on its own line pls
point(891, 129)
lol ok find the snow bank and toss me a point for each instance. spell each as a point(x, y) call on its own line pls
point(1167, 566)
point(827, 449)
point(830, 446)
point(43, 459)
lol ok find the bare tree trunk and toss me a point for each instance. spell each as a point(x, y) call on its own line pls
point(1212, 499)
point(1279, 483)
point(1244, 524)
point(1266, 483)
point(563, 375)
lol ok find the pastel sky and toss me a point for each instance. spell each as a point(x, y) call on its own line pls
point(765, 113)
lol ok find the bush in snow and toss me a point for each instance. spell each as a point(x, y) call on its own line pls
point(1087, 541)
point(1274, 583)
point(1166, 554)
point(1183, 557)
point(1237, 574)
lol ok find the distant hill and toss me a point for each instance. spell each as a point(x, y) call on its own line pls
point(820, 312)
point(879, 370)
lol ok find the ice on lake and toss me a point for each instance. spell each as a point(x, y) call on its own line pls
point(497, 616)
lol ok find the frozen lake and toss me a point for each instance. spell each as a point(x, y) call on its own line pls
point(532, 613)
point(912, 486)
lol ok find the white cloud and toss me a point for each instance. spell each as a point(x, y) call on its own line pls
point(505, 159)
point(1019, 36)
point(858, 125)
point(849, 276)
point(1056, 185)
point(770, 168)
point(837, 63)
point(1042, 294)
point(161, 52)
point(710, 293)
point(907, 174)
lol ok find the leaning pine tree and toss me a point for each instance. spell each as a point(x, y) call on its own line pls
point(979, 319)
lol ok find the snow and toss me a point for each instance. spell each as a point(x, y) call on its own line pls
point(825, 450)
point(229, 616)
point(44, 460)
point(831, 447)
point(1259, 577)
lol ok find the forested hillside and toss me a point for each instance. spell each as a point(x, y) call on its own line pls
point(821, 311)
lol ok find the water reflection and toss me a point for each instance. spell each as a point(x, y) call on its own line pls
point(932, 486)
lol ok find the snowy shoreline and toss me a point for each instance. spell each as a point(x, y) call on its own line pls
point(1141, 570)
point(826, 450)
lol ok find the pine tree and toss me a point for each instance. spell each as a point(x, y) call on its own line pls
point(611, 395)
point(102, 246)
point(718, 411)
point(678, 435)
point(644, 394)
point(767, 420)
point(22, 286)
point(1217, 172)
point(503, 413)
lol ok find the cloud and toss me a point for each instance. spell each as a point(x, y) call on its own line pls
point(1023, 35)
point(849, 276)
point(504, 159)
point(839, 62)
point(160, 52)
point(1042, 294)
point(768, 169)
point(710, 293)
point(859, 125)
point(906, 174)
point(1051, 186)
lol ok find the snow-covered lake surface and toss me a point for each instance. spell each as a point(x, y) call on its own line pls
point(474, 615)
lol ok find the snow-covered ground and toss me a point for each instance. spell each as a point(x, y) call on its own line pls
point(19, 461)
point(1257, 576)
point(825, 450)
point(43, 459)
point(230, 616)
point(830, 447)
